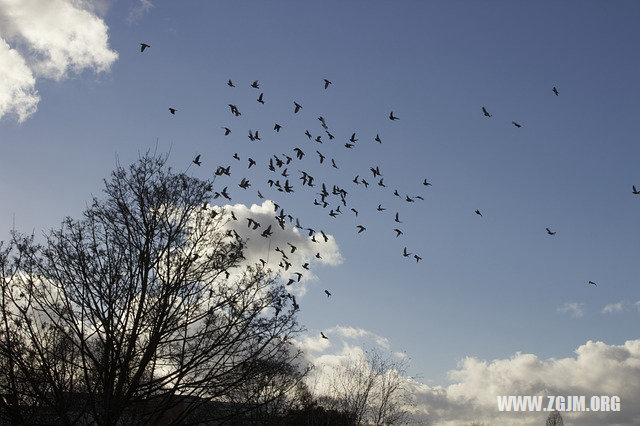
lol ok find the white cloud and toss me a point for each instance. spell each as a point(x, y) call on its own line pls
point(612, 308)
point(596, 369)
point(637, 305)
point(259, 247)
point(17, 84)
point(141, 8)
point(46, 38)
point(575, 309)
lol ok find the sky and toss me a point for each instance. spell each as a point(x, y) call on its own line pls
point(495, 297)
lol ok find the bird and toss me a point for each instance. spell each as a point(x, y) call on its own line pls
point(226, 131)
point(230, 83)
point(277, 127)
point(298, 107)
point(261, 98)
point(353, 138)
point(393, 117)
point(322, 157)
point(244, 184)
point(592, 283)
point(252, 162)
point(299, 275)
point(267, 232)
point(196, 160)
point(333, 163)
point(326, 84)
point(405, 253)
point(255, 84)
point(418, 258)
point(377, 139)
point(318, 256)
point(426, 183)
point(305, 266)
point(172, 111)
point(550, 232)
point(397, 220)
point(555, 91)
point(398, 232)
point(485, 112)
point(323, 336)
point(143, 46)
point(291, 281)
point(634, 190)
point(516, 124)
point(327, 293)
point(355, 211)
point(380, 208)
point(308, 134)
point(361, 229)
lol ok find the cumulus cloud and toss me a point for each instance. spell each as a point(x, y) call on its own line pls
point(575, 309)
point(596, 368)
point(259, 247)
point(50, 39)
point(141, 8)
point(612, 308)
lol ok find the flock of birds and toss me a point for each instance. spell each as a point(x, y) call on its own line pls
point(332, 198)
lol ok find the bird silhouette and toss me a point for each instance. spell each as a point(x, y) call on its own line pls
point(298, 107)
point(196, 160)
point(377, 139)
point(327, 293)
point(393, 117)
point(230, 83)
point(405, 253)
point(267, 232)
point(418, 258)
point(255, 84)
point(261, 98)
point(277, 127)
point(592, 283)
point(326, 84)
point(398, 232)
point(516, 124)
point(397, 219)
point(172, 111)
point(485, 112)
point(226, 131)
point(634, 190)
point(251, 163)
point(478, 213)
point(361, 229)
point(550, 232)
point(144, 46)
point(555, 91)
point(323, 336)
point(426, 183)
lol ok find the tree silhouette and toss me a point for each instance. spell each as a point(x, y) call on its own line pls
point(141, 311)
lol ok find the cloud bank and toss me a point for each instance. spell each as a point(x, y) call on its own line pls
point(596, 368)
point(46, 39)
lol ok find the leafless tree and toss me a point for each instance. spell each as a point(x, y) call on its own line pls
point(141, 306)
point(371, 388)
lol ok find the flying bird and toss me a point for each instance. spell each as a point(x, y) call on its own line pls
point(398, 232)
point(230, 83)
point(327, 293)
point(418, 258)
point(267, 232)
point(485, 112)
point(555, 91)
point(196, 160)
point(172, 111)
point(634, 190)
point(516, 124)
point(393, 117)
point(377, 139)
point(478, 213)
point(550, 232)
point(298, 107)
point(226, 131)
point(592, 283)
point(255, 84)
point(361, 229)
point(397, 218)
point(277, 127)
point(326, 84)
point(426, 183)
point(252, 162)
point(261, 98)
point(323, 336)
point(143, 46)
point(405, 253)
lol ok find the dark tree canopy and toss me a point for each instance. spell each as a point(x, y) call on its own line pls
point(139, 311)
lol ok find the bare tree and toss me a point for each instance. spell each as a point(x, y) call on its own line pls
point(371, 388)
point(143, 302)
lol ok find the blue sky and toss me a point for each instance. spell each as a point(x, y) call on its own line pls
point(487, 287)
